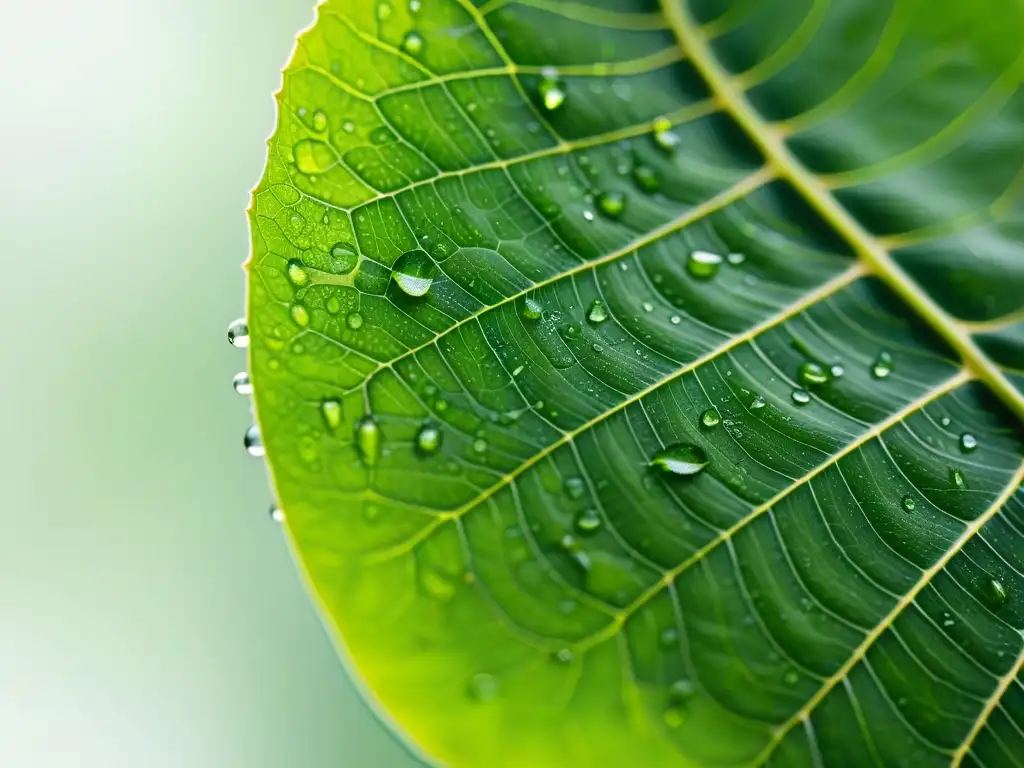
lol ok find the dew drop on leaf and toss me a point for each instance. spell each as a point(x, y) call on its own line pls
point(996, 592)
point(343, 258)
point(297, 273)
point(757, 403)
point(801, 396)
point(383, 11)
point(252, 441)
point(238, 333)
point(532, 309)
point(333, 305)
point(368, 439)
point(588, 521)
point(414, 6)
point(332, 413)
point(968, 442)
point(480, 445)
point(956, 477)
point(551, 89)
point(812, 375)
point(611, 204)
point(908, 503)
point(564, 656)
point(703, 264)
point(598, 312)
point(300, 315)
point(575, 488)
point(668, 637)
point(945, 421)
point(571, 331)
point(276, 513)
point(242, 384)
point(413, 43)
point(484, 687)
point(646, 178)
point(681, 459)
point(675, 319)
point(414, 272)
point(710, 418)
point(882, 366)
point(735, 258)
point(428, 439)
point(664, 136)
point(837, 370)
point(791, 677)
point(319, 121)
point(354, 320)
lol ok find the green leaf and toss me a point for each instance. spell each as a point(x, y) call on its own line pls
point(643, 386)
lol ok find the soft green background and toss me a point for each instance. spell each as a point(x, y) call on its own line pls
point(150, 614)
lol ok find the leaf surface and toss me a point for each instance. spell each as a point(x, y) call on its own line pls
point(643, 385)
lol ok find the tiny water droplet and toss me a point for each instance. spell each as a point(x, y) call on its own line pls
point(575, 488)
point(253, 442)
point(413, 43)
point(996, 592)
point(532, 309)
point(414, 6)
point(647, 306)
point(354, 320)
point(383, 11)
point(882, 366)
point(646, 178)
point(297, 273)
point(812, 375)
point(242, 384)
point(588, 215)
point(956, 477)
point(791, 677)
point(484, 687)
point(710, 418)
point(480, 445)
point(300, 315)
point(333, 305)
point(736, 258)
point(908, 503)
point(968, 442)
point(757, 403)
point(588, 521)
point(703, 264)
point(429, 438)
point(945, 421)
point(564, 656)
point(319, 121)
point(801, 396)
point(348, 126)
point(612, 204)
point(675, 716)
point(664, 136)
point(668, 637)
point(238, 333)
point(414, 272)
point(332, 413)
point(276, 513)
point(598, 312)
point(675, 319)
point(368, 439)
point(551, 89)
point(681, 459)
point(571, 331)
point(837, 370)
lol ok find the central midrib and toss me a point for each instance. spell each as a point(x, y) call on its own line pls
point(734, 103)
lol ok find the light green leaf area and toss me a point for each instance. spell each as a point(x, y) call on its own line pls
point(642, 384)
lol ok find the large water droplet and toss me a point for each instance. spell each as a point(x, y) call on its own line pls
point(908, 503)
point(297, 273)
point(996, 592)
point(703, 264)
point(368, 439)
point(413, 43)
point(242, 384)
point(344, 258)
point(882, 366)
point(484, 687)
point(252, 441)
point(238, 333)
point(681, 459)
point(551, 89)
point(598, 312)
point(332, 413)
point(968, 442)
point(812, 375)
point(710, 418)
point(532, 309)
point(757, 403)
point(429, 438)
point(414, 272)
point(300, 315)
point(612, 204)
point(354, 321)
point(801, 396)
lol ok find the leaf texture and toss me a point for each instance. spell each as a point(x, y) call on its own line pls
point(643, 384)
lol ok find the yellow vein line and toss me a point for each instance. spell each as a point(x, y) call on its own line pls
point(996, 323)
point(871, 252)
point(671, 575)
point(637, 22)
point(788, 51)
point(719, 201)
point(993, 701)
point(810, 299)
point(869, 639)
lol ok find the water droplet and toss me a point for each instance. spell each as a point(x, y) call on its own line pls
point(681, 459)
point(968, 442)
point(675, 319)
point(791, 677)
point(413, 43)
point(646, 178)
point(319, 121)
point(354, 320)
point(238, 333)
point(664, 136)
point(588, 215)
point(710, 418)
point(801, 396)
point(571, 331)
point(668, 637)
point(383, 11)
point(908, 503)
point(647, 306)
point(242, 384)
point(518, 369)
point(812, 375)
point(532, 309)
point(612, 204)
point(368, 439)
point(703, 265)
point(837, 370)
point(414, 272)
point(429, 438)
point(300, 315)
point(348, 126)
point(882, 366)
point(757, 403)
point(735, 258)
point(675, 716)
point(598, 312)
point(484, 687)
point(575, 488)
point(945, 421)
point(551, 89)
point(956, 477)
point(344, 258)
point(297, 273)
point(276, 513)
point(252, 441)
point(333, 305)
point(414, 6)
point(480, 445)
point(437, 584)
point(564, 656)
point(588, 521)
point(332, 413)
point(996, 592)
